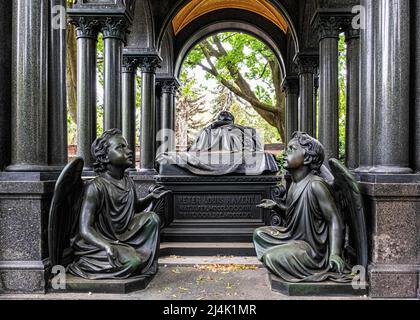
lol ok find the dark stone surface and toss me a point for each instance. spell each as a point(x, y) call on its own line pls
point(393, 281)
point(57, 97)
point(30, 87)
point(80, 285)
point(394, 237)
point(24, 208)
point(314, 289)
point(211, 209)
point(6, 80)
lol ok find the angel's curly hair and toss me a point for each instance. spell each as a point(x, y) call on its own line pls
point(314, 150)
point(99, 150)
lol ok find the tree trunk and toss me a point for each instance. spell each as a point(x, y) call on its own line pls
point(72, 73)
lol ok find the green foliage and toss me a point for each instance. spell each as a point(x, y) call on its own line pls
point(342, 97)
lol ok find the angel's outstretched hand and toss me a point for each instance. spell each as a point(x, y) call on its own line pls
point(267, 204)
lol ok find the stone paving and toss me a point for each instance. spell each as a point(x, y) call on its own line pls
point(196, 278)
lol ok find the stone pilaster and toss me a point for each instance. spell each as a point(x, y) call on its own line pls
point(148, 64)
point(307, 65)
point(291, 89)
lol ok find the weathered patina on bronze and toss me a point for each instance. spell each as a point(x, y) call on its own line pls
point(111, 234)
point(311, 244)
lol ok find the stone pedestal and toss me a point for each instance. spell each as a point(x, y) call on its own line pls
point(393, 205)
point(24, 209)
point(323, 289)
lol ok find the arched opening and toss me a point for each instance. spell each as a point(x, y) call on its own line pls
point(233, 71)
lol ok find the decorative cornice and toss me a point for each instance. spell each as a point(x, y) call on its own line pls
point(86, 27)
point(130, 64)
point(290, 85)
point(115, 28)
point(307, 62)
point(330, 23)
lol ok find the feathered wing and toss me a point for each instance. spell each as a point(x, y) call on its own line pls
point(351, 204)
point(65, 210)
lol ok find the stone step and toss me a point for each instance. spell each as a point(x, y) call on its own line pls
point(193, 261)
point(238, 249)
point(216, 223)
point(197, 234)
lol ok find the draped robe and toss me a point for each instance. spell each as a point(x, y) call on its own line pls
point(135, 234)
point(299, 251)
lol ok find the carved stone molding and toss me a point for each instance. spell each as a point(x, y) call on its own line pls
point(307, 63)
point(86, 27)
point(130, 64)
point(149, 63)
point(290, 85)
point(115, 28)
point(168, 85)
point(330, 23)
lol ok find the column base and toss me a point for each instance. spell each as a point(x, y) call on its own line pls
point(391, 170)
point(23, 277)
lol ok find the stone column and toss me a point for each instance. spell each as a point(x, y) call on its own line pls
point(148, 65)
point(87, 34)
point(416, 89)
point(307, 64)
point(6, 80)
point(30, 86)
point(353, 87)
point(328, 28)
point(114, 31)
point(129, 101)
point(368, 75)
point(57, 97)
point(291, 89)
point(391, 147)
point(167, 113)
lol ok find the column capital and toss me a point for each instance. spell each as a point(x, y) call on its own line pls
point(115, 27)
point(328, 23)
point(307, 62)
point(168, 85)
point(290, 85)
point(130, 64)
point(86, 27)
point(149, 62)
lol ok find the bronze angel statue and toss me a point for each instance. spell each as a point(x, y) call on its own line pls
point(108, 232)
point(323, 231)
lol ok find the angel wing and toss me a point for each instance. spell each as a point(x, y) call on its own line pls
point(351, 204)
point(64, 210)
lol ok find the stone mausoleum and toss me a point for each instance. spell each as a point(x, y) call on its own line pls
point(383, 108)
